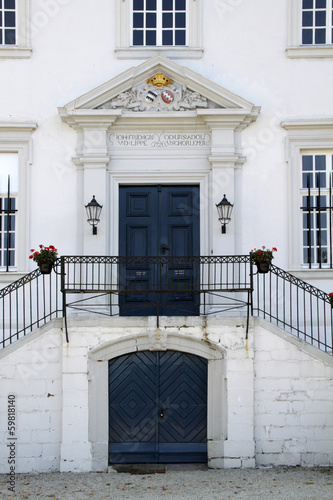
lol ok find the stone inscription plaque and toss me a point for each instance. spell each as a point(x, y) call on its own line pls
point(164, 140)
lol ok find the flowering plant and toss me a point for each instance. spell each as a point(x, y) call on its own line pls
point(44, 254)
point(263, 255)
point(331, 298)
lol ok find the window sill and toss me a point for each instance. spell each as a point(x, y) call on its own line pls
point(147, 52)
point(322, 51)
point(311, 274)
point(15, 52)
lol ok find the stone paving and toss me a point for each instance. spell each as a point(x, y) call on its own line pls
point(264, 484)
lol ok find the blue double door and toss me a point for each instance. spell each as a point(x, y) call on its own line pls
point(157, 408)
point(159, 221)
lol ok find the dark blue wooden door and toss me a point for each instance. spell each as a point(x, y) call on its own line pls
point(159, 221)
point(157, 408)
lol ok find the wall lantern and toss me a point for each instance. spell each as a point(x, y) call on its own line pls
point(224, 209)
point(93, 212)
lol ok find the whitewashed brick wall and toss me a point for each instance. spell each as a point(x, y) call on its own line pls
point(277, 408)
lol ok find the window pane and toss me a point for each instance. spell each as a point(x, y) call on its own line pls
point(0, 18)
point(151, 37)
point(305, 255)
point(138, 20)
point(320, 161)
point(180, 4)
point(0, 4)
point(1, 36)
point(150, 4)
point(307, 4)
point(180, 37)
point(10, 37)
point(167, 37)
point(180, 20)
point(320, 36)
point(138, 4)
point(151, 20)
point(137, 37)
point(306, 37)
point(167, 20)
point(321, 18)
point(167, 5)
point(307, 162)
point(321, 4)
point(9, 4)
point(307, 181)
point(307, 19)
point(10, 19)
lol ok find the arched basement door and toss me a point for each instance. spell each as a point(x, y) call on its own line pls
point(157, 408)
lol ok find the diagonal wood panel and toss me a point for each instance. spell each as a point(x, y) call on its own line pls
point(140, 386)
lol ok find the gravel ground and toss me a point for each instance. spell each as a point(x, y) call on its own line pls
point(263, 484)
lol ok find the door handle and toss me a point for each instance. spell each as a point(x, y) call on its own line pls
point(161, 412)
point(164, 249)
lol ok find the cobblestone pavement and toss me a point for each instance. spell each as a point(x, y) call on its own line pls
point(264, 484)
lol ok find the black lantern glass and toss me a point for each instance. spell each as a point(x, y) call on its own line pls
point(224, 209)
point(93, 210)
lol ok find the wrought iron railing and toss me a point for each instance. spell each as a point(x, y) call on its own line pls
point(295, 306)
point(166, 286)
point(29, 303)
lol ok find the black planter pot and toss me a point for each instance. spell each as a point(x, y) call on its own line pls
point(45, 267)
point(263, 266)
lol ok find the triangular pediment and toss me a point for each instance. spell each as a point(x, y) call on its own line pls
point(142, 89)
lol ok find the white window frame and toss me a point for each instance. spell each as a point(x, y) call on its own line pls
point(21, 50)
point(314, 191)
point(125, 49)
point(295, 49)
point(303, 136)
point(16, 138)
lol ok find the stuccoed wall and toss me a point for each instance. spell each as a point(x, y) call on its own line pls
point(73, 51)
point(269, 398)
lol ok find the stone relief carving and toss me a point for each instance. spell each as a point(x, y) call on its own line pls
point(149, 97)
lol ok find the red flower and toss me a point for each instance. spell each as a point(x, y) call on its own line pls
point(31, 257)
point(275, 249)
point(263, 248)
point(331, 294)
point(32, 250)
point(259, 251)
point(41, 246)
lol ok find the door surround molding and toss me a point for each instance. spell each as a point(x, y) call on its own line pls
point(98, 389)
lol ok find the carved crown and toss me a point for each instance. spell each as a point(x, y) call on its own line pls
point(160, 80)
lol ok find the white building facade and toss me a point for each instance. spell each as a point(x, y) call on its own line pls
point(159, 108)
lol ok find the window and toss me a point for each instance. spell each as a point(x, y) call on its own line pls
point(316, 207)
point(7, 22)
point(310, 28)
point(8, 203)
point(310, 162)
point(14, 29)
point(15, 158)
point(316, 22)
point(159, 22)
point(150, 27)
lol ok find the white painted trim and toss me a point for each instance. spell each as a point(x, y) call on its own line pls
point(21, 50)
point(15, 137)
point(302, 134)
point(98, 389)
point(294, 48)
point(124, 49)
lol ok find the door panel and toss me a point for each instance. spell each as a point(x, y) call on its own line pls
point(158, 408)
point(159, 221)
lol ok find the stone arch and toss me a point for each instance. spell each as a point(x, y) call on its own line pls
point(98, 389)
